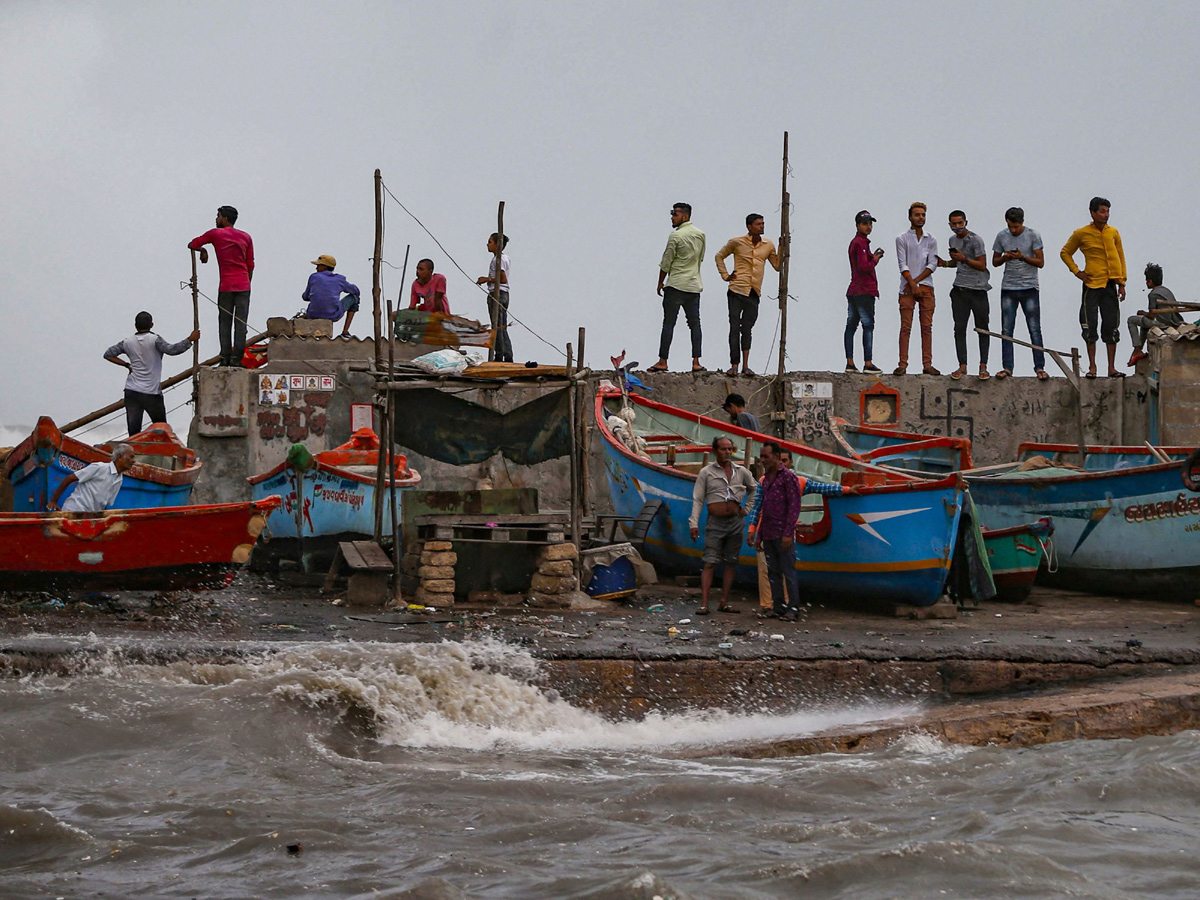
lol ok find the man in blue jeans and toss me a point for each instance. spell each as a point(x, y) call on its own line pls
point(1019, 249)
point(862, 292)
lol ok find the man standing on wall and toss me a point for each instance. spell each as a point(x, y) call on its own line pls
point(1103, 278)
point(143, 386)
point(727, 489)
point(679, 284)
point(750, 254)
point(916, 254)
point(1019, 249)
point(969, 295)
point(235, 259)
point(862, 292)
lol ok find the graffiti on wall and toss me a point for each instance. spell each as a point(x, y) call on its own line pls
point(297, 422)
point(810, 419)
point(948, 412)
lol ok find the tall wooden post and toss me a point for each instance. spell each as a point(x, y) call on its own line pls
point(494, 289)
point(1078, 404)
point(195, 346)
point(583, 406)
point(376, 261)
point(391, 438)
point(785, 255)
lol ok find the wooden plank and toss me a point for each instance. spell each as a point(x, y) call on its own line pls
point(351, 555)
point(373, 555)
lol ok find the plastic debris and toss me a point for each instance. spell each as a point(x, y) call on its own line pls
point(672, 631)
point(657, 607)
point(725, 646)
point(777, 637)
point(685, 621)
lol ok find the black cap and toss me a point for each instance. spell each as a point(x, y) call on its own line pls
point(863, 216)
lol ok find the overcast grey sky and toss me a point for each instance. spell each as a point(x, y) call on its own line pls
point(127, 124)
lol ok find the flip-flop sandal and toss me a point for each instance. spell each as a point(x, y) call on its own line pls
point(1117, 374)
point(1003, 373)
point(1041, 375)
point(1090, 375)
point(730, 371)
point(696, 370)
point(747, 372)
point(702, 611)
point(727, 609)
point(657, 369)
point(957, 375)
point(984, 376)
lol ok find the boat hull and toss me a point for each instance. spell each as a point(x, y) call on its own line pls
point(892, 544)
point(1131, 532)
point(324, 501)
point(1015, 556)
point(162, 549)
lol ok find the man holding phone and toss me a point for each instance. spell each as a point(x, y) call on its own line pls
point(969, 296)
point(862, 292)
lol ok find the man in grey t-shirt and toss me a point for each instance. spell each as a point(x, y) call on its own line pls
point(1019, 249)
point(143, 386)
point(969, 296)
point(1160, 298)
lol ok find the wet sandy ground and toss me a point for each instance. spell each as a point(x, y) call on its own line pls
point(1053, 626)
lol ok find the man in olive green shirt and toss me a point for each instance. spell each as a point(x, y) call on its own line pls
point(679, 284)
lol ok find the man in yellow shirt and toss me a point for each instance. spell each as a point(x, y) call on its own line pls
point(750, 255)
point(1103, 278)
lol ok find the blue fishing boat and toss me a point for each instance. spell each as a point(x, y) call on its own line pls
point(331, 494)
point(1126, 519)
point(893, 539)
point(914, 453)
point(163, 473)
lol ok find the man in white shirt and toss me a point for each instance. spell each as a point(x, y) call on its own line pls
point(143, 385)
point(98, 484)
point(727, 490)
point(916, 254)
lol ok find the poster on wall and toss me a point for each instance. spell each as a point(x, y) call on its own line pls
point(361, 416)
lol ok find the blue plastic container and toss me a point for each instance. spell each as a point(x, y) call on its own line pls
point(612, 581)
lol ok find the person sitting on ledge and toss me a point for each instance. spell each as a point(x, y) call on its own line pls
point(324, 294)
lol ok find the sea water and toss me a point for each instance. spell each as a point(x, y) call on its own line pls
point(440, 771)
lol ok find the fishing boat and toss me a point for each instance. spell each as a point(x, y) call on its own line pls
point(167, 548)
point(892, 539)
point(329, 495)
point(914, 453)
point(1015, 556)
point(163, 473)
point(1125, 518)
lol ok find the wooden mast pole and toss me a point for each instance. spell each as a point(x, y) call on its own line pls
point(785, 254)
point(391, 437)
point(376, 261)
point(196, 345)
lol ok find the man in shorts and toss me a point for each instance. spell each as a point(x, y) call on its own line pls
point(727, 490)
point(1103, 277)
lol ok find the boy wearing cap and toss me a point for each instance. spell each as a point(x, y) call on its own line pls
point(324, 294)
point(235, 260)
point(862, 292)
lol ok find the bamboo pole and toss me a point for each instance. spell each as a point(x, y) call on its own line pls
point(375, 267)
point(195, 327)
point(391, 438)
point(574, 457)
point(170, 382)
point(785, 255)
point(494, 289)
point(583, 406)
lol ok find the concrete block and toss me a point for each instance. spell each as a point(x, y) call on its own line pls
point(223, 409)
point(367, 589)
point(428, 598)
point(437, 546)
point(312, 327)
point(436, 572)
point(556, 552)
point(443, 558)
point(438, 585)
point(547, 584)
point(556, 568)
point(1179, 393)
point(278, 325)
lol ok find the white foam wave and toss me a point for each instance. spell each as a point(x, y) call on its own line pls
point(483, 695)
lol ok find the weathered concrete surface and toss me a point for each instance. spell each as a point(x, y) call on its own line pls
point(1131, 708)
point(1178, 363)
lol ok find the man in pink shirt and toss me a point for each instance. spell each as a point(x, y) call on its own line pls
point(429, 290)
point(235, 259)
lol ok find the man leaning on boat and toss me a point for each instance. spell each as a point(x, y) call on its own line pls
point(727, 489)
point(98, 484)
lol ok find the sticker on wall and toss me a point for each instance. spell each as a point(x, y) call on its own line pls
point(327, 382)
point(312, 382)
point(812, 390)
point(296, 382)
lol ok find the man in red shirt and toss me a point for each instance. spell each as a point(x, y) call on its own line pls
point(862, 293)
point(429, 290)
point(235, 259)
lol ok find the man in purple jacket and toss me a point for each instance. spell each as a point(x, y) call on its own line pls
point(324, 294)
point(862, 293)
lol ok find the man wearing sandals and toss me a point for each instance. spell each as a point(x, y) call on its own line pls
point(969, 295)
point(1103, 278)
point(727, 489)
point(916, 254)
point(1019, 249)
point(750, 255)
point(679, 284)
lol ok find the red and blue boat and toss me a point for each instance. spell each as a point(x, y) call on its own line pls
point(893, 539)
point(169, 548)
point(163, 474)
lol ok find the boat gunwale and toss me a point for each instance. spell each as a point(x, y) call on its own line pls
point(413, 480)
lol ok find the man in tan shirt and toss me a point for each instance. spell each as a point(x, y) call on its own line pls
point(750, 254)
point(727, 490)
